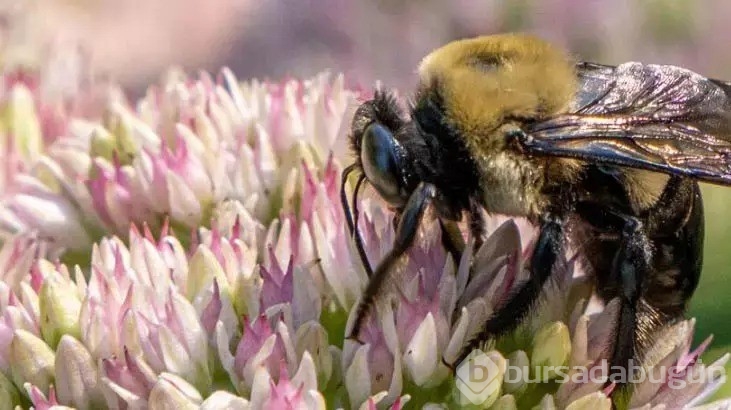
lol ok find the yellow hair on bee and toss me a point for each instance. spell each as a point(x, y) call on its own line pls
point(487, 80)
point(489, 85)
point(644, 188)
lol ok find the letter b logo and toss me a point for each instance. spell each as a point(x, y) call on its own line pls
point(478, 377)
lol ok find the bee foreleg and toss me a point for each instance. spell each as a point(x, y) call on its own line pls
point(629, 268)
point(477, 223)
point(452, 239)
point(516, 307)
point(408, 224)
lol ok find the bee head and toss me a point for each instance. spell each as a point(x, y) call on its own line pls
point(379, 154)
point(489, 80)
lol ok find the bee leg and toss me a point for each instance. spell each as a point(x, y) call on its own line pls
point(512, 312)
point(452, 236)
point(477, 223)
point(452, 239)
point(408, 224)
point(630, 266)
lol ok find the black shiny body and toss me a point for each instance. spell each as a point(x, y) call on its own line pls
point(673, 227)
point(650, 260)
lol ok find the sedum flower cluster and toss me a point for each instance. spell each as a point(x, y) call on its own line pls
point(188, 250)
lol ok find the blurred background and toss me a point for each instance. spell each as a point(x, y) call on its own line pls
point(134, 41)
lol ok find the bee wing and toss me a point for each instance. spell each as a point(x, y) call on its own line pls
point(654, 117)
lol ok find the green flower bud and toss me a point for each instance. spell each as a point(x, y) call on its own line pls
point(551, 350)
point(594, 401)
point(19, 118)
point(59, 309)
point(9, 394)
point(479, 379)
point(506, 402)
point(31, 360)
point(518, 372)
point(76, 375)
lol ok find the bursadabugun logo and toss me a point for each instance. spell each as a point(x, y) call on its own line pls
point(479, 377)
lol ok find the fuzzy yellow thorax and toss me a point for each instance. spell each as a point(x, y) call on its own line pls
point(485, 80)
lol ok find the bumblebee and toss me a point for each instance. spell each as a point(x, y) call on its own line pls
point(608, 157)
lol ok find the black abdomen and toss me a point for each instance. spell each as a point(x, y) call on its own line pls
point(673, 225)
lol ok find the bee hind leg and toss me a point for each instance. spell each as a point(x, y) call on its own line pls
point(508, 316)
point(629, 268)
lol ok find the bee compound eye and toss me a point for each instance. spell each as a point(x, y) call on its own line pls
point(382, 162)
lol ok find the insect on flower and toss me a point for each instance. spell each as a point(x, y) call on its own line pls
point(605, 158)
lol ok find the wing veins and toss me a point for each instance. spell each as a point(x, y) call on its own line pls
point(661, 118)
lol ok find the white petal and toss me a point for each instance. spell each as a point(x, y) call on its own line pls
point(306, 251)
point(119, 212)
point(374, 399)
point(223, 340)
point(157, 196)
point(287, 342)
point(76, 376)
point(195, 337)
point(147, 261)
point(224, 400)
point(174, 354)
point(204, 266)
point(306, 374)
point(312, 338)
point(184, 204)
point(257, 361)
point(547, 403)
point(580, 340)
point(314, 400)
point(715, 374)
point(306, 298)
point(54, 218)
point(260, 387)
point(191, 140)
point(206, 133)
point(358, 377)
point(266, 160)
point(517, 360)
point(283, 246)
point(506, 402)
point(458, 337)
point(232, 85)
point(421, 357)
point(333, 270)
point(724, 404)
point(173, 393)
point(594, 401)
point(133, 400)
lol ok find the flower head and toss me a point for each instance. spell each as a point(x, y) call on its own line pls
point(187, 147)
point(190, 251)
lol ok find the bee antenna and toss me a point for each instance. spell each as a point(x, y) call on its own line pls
point(344, 197)
point(356, 232)
point(352, 224)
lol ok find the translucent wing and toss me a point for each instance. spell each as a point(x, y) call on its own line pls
point(655, 117)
